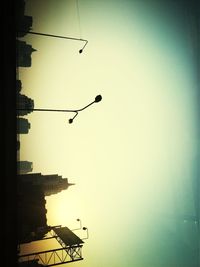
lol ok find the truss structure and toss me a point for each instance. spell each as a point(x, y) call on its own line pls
point(55, 256)
point(66, 254)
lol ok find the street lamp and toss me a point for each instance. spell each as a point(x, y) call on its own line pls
point(78, 220)
point(61, 37)
point(98, 98)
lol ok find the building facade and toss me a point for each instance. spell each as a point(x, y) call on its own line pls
point(51, 184)
point(24, 167)
point(18, 86)
point(23, 54)
point(23, 22)
point(23, 126)
point(24, 105)
point(24, 25)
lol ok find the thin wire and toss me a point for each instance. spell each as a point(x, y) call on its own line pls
point(79, 21)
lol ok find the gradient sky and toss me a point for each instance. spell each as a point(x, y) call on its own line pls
point(133, 156)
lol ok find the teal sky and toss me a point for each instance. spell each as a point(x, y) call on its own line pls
point(133, 156)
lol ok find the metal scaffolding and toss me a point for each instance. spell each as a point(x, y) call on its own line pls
point(54, 257)
point(70, 251)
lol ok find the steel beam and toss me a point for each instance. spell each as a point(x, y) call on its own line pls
point(55, 256)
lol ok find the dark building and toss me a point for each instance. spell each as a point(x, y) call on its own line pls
point(24, 167)
point(23, 54)
point(32, 221)
point(23, 126)
point(18, 145)
point(51, 184)
point(24, 105)
point(18, 86)
point(32, 189)
point(23, 23)
point(19, 9)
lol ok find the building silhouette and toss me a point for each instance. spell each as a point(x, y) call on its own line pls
point(31, 191)
point(23, 23)
point(31, 216)
point(24, 167)
point(50, 184)
point(18, 86)
point(18, 145)
point(24, 103)
point(23, 54)
point(23, 126)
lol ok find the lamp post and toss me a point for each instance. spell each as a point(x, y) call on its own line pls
point(61, 37)
point(78, 220)
point(98, 98)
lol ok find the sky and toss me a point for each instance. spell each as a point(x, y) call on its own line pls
point(133, 156)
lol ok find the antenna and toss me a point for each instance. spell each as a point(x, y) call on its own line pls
point(79, 21)
point(79, 24)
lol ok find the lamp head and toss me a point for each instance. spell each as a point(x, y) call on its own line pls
point(98, 98)
point(70, 120)
point(84, 228)
point(80, 51)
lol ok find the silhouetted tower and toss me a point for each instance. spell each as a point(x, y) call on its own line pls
point(18, 145)
point(23, 54)
point(24, 167)
point(20, 10)
point(23, 126)
point(26, 103)
point(18, 86)
point(51, 184)
point(23, 23)
point(31, 211)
